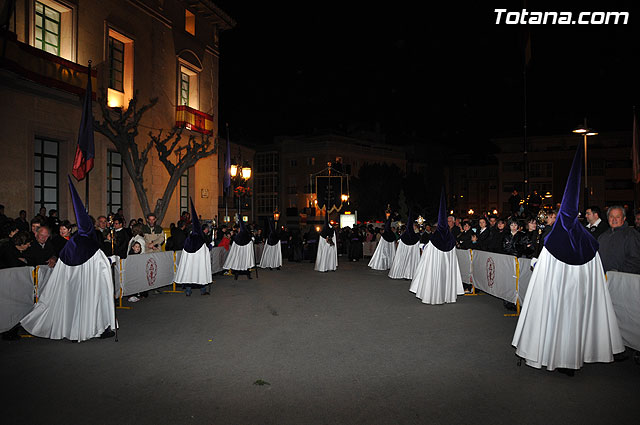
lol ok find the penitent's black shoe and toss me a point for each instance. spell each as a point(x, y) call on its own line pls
point(108, 333)
point(564, 371)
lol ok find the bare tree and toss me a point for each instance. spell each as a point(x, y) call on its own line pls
point(121, 128)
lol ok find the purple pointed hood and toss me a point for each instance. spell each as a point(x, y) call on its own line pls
point(569, 241)
point(409, 237)
point(84, 244)
point(388, 234)
point(442, 238)
point(195, 240)
point(243, 237)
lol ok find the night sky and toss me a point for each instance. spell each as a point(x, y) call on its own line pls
point(435, 75)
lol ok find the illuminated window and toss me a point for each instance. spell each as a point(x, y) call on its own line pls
point(184, 88)
point(116, 64)
point(47, 29)
point(114, 181)
point(45, 181)
point(184, 192)
point(120, 61)
point(188, 87)
point(53, 28)
point(189, 22)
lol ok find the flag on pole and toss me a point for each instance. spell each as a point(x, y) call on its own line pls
point(85, 152)
point(227, 166)
point(635, 152)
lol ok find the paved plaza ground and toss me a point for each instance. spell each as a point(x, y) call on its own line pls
point(347, 347)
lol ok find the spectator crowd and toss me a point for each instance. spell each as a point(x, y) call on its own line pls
point(38, 241)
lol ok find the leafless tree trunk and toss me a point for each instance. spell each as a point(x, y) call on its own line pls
point(121, 128)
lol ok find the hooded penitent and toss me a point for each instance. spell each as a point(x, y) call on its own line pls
point(409, 237)
point(84, 244)
point(243, 237)
point(442, 238)
point(273, 237)
point(327, 230)
point(388, 235)
point(196, 239)
point(569, 241)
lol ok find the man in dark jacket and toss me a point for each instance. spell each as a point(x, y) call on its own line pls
point(620, 244)
point(595, 224)
point(42, 250)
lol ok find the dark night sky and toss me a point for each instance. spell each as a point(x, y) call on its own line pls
point(446, 74)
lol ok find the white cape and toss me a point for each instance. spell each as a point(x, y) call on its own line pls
point(567, 317)
point(194, 267)
point(240, 258)
point(383, 256)
point(271, 256)
point(405, 261)
point(77, 302)
point(437, 279)
point(327, 257)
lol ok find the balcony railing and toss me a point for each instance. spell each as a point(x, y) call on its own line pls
point(194, 120)
point(42, 67)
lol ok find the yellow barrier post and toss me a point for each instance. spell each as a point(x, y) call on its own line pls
point(173, 288)
point(517, 313)
point(120, 299)
point(473, 286)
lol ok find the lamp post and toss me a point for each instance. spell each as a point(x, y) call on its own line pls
point(240, 174)
point(586, 132)
point(276, 216)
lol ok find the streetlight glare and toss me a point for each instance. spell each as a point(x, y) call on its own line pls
point(234, 170)
point(246, 173)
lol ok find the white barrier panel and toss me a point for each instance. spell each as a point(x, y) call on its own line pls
point(525, 277)
point(43, 273)
point(369, 248)
point(218, 256)
point(495, 274)
point(16, 295)
point(464, 262)
point(257, 251)
point(143, 272)
point(625, 296)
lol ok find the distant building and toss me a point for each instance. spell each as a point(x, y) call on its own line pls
point(485, 187)
point(283, 170)
point(166, 49)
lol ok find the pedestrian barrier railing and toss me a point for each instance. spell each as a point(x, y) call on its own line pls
point(503, 276)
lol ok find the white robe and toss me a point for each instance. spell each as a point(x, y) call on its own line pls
point(271, 256)
point(240, 258)
point(327, 257)
point(405, 261)
point(383, 256)
point(567, 318)
point(77, 302)
point(194, 267)
point(437, 279)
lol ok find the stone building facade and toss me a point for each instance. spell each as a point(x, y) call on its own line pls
point(165, 49)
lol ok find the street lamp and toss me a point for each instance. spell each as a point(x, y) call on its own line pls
point(586, 132)
point(387, 212)
point(240, 173)
point(276, 215)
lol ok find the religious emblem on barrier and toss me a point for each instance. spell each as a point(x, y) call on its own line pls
point(491, 271)
point(151, 271)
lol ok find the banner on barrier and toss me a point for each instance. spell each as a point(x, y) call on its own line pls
point(218, 257)
point(524, 277)
point(624, 289)
point(16, 295)
point(143, 272)
point(43, 273)
point(495, 274)
point(464, 262)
